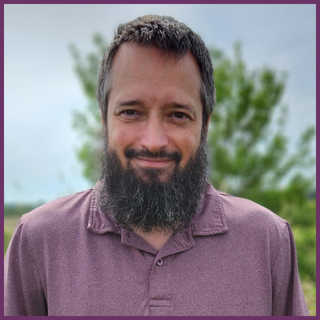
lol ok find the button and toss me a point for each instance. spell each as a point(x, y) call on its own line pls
point(160, 262)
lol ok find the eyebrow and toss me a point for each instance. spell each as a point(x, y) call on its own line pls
point(182, 106)
point(129, 103)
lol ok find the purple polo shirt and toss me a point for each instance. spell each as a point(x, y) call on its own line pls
point(236, 258)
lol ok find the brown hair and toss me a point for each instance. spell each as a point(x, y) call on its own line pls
point(171, 37)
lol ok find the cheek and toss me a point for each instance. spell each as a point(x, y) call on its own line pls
point(188, 145)
point(120, 137)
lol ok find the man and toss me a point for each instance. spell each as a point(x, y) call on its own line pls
point(153, 237)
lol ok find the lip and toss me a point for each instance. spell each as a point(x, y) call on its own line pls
point(153, 163)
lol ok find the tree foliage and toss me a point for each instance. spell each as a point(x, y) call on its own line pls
point(248, 150)
point(88, 123)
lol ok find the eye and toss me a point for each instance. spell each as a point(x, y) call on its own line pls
point(180, 115)
point(129, 112)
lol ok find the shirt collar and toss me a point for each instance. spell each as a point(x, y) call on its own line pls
point(210, 220)
point(99, 222)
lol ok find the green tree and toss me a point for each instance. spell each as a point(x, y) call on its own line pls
point(248, 151)
point(88, 123)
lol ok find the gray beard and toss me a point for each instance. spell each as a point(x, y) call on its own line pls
point(150, 204)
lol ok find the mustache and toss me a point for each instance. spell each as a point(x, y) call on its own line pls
point(145, 153)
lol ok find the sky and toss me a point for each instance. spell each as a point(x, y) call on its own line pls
point(42, 91)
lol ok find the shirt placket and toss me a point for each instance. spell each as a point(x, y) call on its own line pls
point(160, 298)
point(159, 302)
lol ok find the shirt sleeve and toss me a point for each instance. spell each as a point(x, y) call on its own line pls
point(287, 295)
point(23, 290)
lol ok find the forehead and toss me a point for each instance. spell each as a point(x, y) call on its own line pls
point(131, 56)
point(134, 66)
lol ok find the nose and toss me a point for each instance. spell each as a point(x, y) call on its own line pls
point(154, 137)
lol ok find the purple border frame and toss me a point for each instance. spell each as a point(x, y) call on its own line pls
point(132, 2)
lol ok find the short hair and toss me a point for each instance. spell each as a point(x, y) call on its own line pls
point(169, 36)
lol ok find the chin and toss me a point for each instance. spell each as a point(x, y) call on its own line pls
point(154, 176)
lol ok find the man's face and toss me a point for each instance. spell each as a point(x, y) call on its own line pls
point(154, 118)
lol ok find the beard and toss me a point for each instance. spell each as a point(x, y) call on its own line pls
point(140, 199)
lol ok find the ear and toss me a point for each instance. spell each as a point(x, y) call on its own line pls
point(102, 119)
point(103, 123)
point(208, 123)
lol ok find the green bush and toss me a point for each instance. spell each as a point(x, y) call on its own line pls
point(303, 215)
point(302, 218)
point(305, 239)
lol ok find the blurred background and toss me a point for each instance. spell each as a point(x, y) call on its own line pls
point(261, 142)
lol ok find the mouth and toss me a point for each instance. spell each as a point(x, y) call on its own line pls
point(153, 162)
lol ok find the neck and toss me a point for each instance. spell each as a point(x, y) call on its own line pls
point(157, 239)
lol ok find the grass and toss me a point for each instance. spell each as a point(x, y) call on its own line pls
point(309, 289)
point(10, 223)
point(9, 226)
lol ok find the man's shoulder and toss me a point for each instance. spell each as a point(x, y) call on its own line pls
point(249, 214)
point(252, 227)
point(58, 214)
